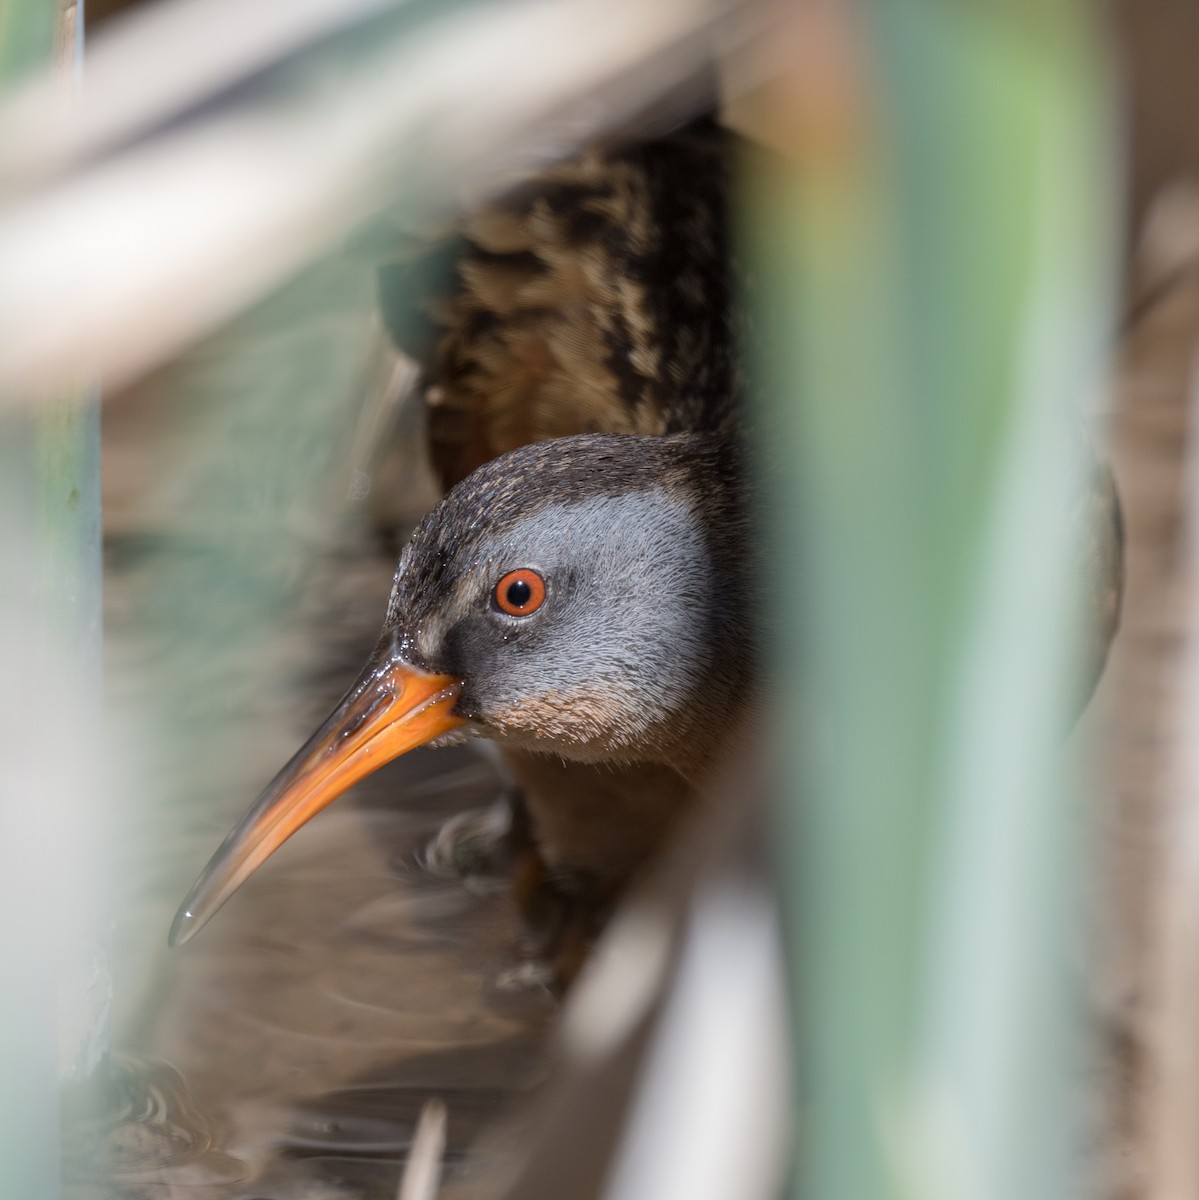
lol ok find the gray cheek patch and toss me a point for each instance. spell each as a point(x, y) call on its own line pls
point(633, 626)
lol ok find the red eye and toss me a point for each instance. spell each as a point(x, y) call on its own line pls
point(520, 593)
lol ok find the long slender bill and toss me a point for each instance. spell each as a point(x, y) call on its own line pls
point(391, 709)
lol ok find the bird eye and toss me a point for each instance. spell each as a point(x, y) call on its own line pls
point(519, 593)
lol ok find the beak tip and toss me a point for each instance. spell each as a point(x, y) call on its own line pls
point(182, 928)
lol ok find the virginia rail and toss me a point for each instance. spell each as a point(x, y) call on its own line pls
point(583, 595)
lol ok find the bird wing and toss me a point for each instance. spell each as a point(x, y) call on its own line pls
point(594, 297)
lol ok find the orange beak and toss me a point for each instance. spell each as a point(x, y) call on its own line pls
point(391, 709)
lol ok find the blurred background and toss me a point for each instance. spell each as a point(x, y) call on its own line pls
point(931, 946)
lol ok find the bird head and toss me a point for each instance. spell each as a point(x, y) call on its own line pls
point(584, 597)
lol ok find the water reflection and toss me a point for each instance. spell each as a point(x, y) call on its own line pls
point(145, 1129)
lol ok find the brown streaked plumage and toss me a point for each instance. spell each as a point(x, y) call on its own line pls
point(594, 299)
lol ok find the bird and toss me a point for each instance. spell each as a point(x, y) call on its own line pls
point(585, 595)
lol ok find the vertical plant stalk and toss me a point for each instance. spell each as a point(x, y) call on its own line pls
point(55, 923)
point(935, 274)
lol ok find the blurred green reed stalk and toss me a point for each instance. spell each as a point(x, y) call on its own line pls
point(936, 262)
point(56, 994)
point(27, 35)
